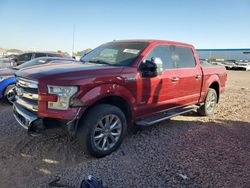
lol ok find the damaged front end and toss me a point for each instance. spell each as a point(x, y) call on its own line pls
point(37, 126)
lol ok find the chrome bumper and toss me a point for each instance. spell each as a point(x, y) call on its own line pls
point(23, 116)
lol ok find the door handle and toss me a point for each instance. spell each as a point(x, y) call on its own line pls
point(198, 76)
point(175, 79)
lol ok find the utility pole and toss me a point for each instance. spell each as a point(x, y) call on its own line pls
point(73, 42)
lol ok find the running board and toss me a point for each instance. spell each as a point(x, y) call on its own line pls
point(164, 116)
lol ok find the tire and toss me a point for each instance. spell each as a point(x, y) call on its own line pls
point(9, 94)
point(207, 109)
point(93, 130)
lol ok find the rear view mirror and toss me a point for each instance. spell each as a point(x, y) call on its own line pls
point(158, 63)
point(151, 68)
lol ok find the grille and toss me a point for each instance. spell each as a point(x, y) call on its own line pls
point(27, 94)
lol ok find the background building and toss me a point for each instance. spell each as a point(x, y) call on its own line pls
point(225, 54)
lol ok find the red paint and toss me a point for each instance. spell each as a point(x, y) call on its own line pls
point(46, 97)
point(145, 96)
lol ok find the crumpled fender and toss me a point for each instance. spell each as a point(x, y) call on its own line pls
point(105, 90)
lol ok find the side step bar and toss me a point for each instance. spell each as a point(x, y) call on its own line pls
point(164, 116)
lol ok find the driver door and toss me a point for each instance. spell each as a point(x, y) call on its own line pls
point(158, 93)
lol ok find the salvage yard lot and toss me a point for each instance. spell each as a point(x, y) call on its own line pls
point(187, 151)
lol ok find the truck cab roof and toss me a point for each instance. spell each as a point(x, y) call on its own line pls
point(156, 41)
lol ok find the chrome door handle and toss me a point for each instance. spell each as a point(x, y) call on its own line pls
point(198, 76)
point(175, 79)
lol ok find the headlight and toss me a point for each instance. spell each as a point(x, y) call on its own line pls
point(64, 94)
point(2, 78)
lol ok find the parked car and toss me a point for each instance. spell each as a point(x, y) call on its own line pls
point(230, 65)
point(8, 79)
point(18, 60)
point(5, 62)
point(117, 85)
point(242, 65)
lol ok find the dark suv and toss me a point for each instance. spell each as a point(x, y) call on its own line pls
point(31, 55)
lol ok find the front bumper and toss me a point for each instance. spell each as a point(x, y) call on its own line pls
point(36, 125)
point(24, 117)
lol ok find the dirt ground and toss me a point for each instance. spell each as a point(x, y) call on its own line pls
point(186, 151)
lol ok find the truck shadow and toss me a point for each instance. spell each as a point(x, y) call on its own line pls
point(167, 145)
point(4, 103)
point(176, 145)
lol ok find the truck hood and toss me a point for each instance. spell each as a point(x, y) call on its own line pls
point(7, 71)
point(66, 70)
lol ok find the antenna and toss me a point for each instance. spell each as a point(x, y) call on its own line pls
point(73, 42)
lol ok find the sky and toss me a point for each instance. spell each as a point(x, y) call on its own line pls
point(47, 25)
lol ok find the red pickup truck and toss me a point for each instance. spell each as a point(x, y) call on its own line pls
point(118, 84)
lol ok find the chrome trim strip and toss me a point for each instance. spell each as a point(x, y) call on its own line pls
point(26, 83)
point(27, 80)
point(26, 105)
point(28, 116)
point(20, 92)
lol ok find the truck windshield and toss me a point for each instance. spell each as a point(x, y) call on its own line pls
point(115, 53)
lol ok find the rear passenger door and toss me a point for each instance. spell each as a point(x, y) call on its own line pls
point(188, 75)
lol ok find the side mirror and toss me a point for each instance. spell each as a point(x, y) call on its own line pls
point(152, 68)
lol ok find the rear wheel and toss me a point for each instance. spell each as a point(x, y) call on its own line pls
point(9, 94)
point(207, 109)
point(102, 130)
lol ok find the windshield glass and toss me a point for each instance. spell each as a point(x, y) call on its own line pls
point(32, 63)
point(115, 53)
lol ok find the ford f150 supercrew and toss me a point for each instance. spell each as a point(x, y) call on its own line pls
point(116, 85)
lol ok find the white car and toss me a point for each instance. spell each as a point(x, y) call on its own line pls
point(242, 65)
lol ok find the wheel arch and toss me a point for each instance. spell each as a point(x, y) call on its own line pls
point(216, 86)
point(7, 83)
point(116, 95)
point(114, 100)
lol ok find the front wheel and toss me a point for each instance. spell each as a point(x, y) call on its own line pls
point(9, 94)
point(207, 109)
point(102, 130)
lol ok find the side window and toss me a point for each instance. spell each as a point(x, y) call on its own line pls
point(183, 57)
point(25, 57)
point(21, 57)
point(52, 55)
point(40, 55)
point(165, 54)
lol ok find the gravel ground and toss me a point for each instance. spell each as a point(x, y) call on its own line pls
point(186, 151)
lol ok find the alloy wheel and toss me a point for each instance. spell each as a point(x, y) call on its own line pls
point(11, 95)
point(107, 132)
point(211, 102)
